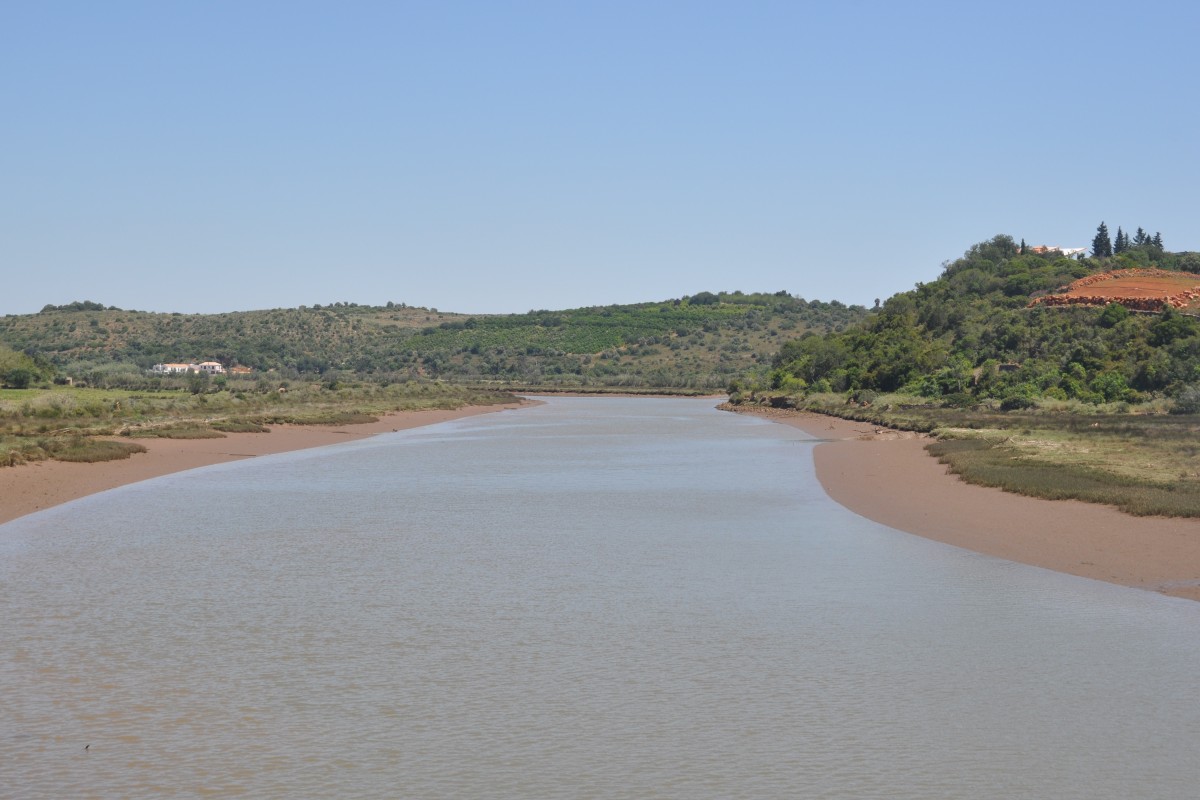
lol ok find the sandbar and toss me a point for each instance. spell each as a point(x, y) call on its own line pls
point(32, 487)
point(887, 476)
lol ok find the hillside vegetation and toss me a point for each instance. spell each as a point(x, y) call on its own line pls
point(699, 342)
point(970, 336)
point(1097, 403)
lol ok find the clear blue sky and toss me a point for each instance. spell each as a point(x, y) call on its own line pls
point(507, 156)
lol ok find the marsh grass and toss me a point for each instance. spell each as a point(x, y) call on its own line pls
point(192, 432)
point(15, 451)
point(319, 417)
point(37, 424)
point(85, 449)
point(64, 448)
point(238, 426)
point(994, 464)
point(1141, 460)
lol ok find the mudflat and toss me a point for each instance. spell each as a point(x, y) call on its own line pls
point(887, 476)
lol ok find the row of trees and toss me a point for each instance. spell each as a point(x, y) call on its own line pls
point(1104, 247)
point(78, 305)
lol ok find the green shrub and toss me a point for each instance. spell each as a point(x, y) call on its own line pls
point(1112, 314)
point(19, 378)
point(959, 400)
point(864, 396)
point(1016, 402)
point(1187, 400)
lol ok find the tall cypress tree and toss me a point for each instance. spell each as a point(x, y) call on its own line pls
point(1101, 244)
point(1158, 240)
point(1121, 243)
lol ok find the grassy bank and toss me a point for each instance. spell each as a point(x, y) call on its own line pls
point(1141, 460)
point(72, 424)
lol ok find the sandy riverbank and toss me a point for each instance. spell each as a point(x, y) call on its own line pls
point(882, 474)
point(887, 476)
point(42, 484)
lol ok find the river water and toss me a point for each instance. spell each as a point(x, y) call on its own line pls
point(608, 598)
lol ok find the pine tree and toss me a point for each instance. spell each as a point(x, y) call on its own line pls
point(1121, 244)
point(1139, 238)
point(1158, 240)
point(1022, 250)
point(1101, 244)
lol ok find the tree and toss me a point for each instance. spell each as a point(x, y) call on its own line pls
point(1171, 326)
point(1101, 245)
point(1139, 238)
point(1112, 386)
point(1121, 244)
point(1113, 313)
point(1157, 241)
point(1187, 401)
point(19, 378)
point(197, 382)
point(1188, 262)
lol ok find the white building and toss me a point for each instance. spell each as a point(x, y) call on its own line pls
point(170, 369)
point(207, 367)
point(1069, 252)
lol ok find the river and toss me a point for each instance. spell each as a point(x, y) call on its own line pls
point(592, 598)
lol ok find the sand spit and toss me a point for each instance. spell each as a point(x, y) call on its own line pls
point(887, 476)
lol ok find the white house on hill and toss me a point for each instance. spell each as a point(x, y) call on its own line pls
point(207, 367)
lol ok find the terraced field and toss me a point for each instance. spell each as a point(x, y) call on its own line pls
point(1138, 289)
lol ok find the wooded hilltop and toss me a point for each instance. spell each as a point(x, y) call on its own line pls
point(971, 336)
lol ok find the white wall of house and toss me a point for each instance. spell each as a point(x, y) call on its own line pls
point(207, 367)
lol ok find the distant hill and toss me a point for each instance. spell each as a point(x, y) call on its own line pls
point(972, 335)
point(697, 342)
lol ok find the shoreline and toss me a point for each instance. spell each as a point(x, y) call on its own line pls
point(879, 473)
point(39, 485)
point(887, 476)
